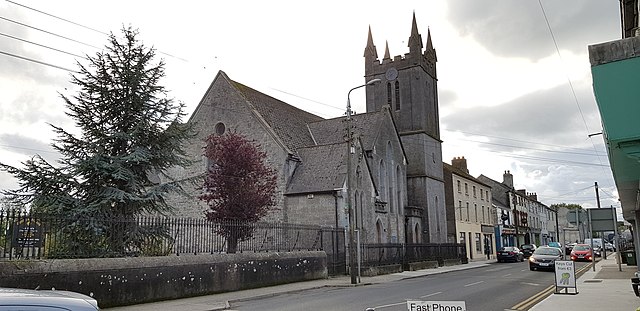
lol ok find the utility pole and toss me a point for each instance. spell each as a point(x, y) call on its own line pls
point(351, 149)
point(515, 215)
point(604, 249)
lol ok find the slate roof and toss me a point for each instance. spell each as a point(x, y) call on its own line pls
point(288, 122)
point(323, 168)
point(498, 191)
point(464, 174)
point(332, 131)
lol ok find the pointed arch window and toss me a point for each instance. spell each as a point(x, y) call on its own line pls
point(399, 187)
point(389, 94)
point(397, 95)
point(382, 178)
point(391, 184)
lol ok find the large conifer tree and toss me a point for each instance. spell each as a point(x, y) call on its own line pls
point(129, 131)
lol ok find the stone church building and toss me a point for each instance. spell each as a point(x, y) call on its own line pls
point(397, 185)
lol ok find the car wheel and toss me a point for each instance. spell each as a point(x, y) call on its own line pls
point(532, 268)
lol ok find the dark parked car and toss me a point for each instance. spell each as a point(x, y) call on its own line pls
point(527, 249)
point(544, 258)
point(41, 300)
point(510, 253)
point(581, 252)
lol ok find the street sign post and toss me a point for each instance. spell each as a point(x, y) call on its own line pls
point(414, 305)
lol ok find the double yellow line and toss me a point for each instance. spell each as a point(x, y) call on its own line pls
point(533, 300)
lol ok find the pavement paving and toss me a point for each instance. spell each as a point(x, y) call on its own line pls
point(606, 288)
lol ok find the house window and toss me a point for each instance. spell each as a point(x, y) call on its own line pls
point(478, 245)
point(474, 192)
point(463, 238)
point(397, 95)
point(475, 211)
point(460, 209)
point(459, 188)
point(468, 213)
point(481, 194)
point(466, 188)
point(483, 219)
point(389, 94)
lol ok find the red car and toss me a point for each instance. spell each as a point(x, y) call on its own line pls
point(581, 252)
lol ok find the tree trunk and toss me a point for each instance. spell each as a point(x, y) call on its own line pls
point(232, 244)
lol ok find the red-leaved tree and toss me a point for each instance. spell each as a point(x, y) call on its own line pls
point(238, 187)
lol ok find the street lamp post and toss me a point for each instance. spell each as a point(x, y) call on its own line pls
point(349, 138)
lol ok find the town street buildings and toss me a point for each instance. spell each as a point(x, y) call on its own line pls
point(471, 217)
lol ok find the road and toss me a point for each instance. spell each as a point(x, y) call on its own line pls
point(499, 286)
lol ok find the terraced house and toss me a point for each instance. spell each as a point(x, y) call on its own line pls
point(471, 217)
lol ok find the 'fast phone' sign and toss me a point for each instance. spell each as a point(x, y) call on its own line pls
point(436, 306)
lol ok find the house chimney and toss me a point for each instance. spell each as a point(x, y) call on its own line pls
point(460, 163)
point(507, 179)
point(533, 196)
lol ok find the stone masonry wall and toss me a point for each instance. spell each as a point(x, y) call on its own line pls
point(125, 281)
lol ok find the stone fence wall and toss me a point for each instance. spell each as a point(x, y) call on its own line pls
point(124, 281)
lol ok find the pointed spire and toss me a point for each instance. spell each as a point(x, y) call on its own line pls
point(429, 44)
point(415, 40)
point(386, 51)
point(414, 26)
point(430, 52)
point(370, 49)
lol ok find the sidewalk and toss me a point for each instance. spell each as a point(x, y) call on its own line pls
point(605, 289)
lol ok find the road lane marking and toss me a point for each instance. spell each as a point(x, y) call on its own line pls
point(528, 303)
point(432, 294)
point(535, 299)
point(508, 274)
point(532, 284)
point(476, 283)
point(390, 305)
point(404, 303)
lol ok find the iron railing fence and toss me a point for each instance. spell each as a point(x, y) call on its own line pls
point(373, 255)
point(38, 236)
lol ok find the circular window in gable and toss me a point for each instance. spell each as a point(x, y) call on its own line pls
point(219, 128)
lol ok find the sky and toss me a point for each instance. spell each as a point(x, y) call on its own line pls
point(514, 80)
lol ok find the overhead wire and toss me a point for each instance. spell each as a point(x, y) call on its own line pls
point(42, 45)
point(57, 17)
point(38, 62)
point(330, 106)
point(573, 92)
point(49, 32)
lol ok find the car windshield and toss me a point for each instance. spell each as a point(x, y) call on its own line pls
point(581, 248)
point(527, 246)
point(508, 249)
point(554, 244)
point(547, 251)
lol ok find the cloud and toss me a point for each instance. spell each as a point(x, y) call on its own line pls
point(549, 115)
point(28, 146)
point(518, 28)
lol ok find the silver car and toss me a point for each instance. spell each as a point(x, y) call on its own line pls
point(45, 300)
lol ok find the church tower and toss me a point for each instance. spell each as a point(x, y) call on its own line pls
point(409, 89)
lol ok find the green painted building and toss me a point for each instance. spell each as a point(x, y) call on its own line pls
point(615, 68)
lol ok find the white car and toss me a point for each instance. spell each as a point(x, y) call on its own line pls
point(45, 300)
